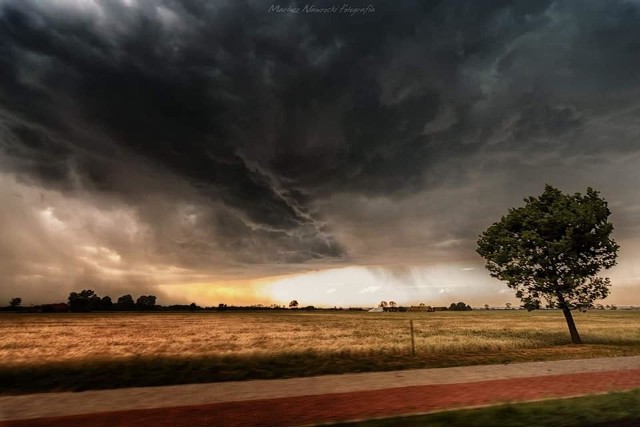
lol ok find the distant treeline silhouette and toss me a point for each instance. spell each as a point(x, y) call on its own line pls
point(88, 300)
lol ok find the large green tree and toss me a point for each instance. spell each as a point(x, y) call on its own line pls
point(552, 249)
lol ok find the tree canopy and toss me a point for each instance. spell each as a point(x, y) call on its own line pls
point(146, 302)
point(552, 249)
point(460, 306)
point(125, 302)
point(85, 300)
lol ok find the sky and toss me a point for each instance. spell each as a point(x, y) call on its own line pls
point(336, 153)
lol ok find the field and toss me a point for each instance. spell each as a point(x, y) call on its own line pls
point(99, 350)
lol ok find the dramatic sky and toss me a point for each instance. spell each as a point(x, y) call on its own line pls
point(240, 152)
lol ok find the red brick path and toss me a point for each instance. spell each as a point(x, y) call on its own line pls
point(303, 410)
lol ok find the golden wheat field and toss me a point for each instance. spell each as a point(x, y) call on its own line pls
point(43, 338)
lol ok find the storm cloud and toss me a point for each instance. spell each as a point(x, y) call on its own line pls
point(180, 141)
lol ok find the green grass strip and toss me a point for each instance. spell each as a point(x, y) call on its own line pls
point(606, 410)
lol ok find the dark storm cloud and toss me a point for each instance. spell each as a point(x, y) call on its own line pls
point(188, 97)
point(260, 126)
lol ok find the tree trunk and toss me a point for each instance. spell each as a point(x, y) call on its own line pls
point(575, 337)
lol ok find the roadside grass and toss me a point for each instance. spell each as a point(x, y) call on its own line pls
point(94, 374)
point(41, 353)
point(605, 410)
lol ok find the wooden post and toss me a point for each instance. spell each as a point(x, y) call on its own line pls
point(413, 342)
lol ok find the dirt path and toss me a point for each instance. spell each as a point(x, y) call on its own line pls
point(303, 401)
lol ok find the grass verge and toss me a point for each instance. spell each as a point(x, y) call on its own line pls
point(155, 371)
point(607, 410)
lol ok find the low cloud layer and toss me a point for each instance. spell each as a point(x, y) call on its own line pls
point(164, 142)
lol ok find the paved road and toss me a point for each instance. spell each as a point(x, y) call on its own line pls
point(300, 401)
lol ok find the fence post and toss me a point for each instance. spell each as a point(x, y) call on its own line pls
point(413, 342)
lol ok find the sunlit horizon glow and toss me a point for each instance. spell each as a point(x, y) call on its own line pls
point(367, 287)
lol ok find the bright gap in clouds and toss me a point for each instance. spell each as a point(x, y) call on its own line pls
point(367, 286)
point(438, 285)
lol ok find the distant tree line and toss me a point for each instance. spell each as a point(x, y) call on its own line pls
point(87, 300)
point(393, 306)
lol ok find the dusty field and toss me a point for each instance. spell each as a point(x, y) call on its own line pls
point(32, 339)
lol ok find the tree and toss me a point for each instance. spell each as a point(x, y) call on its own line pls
point(94, 302)
point(293, 304)
point(125, 302)
point(552, 248)
point(146, 302)
point(486, 306)
point(84, 301)
point(106, 303)
point(15, 303)
point(531, 305)
point(460, 306)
